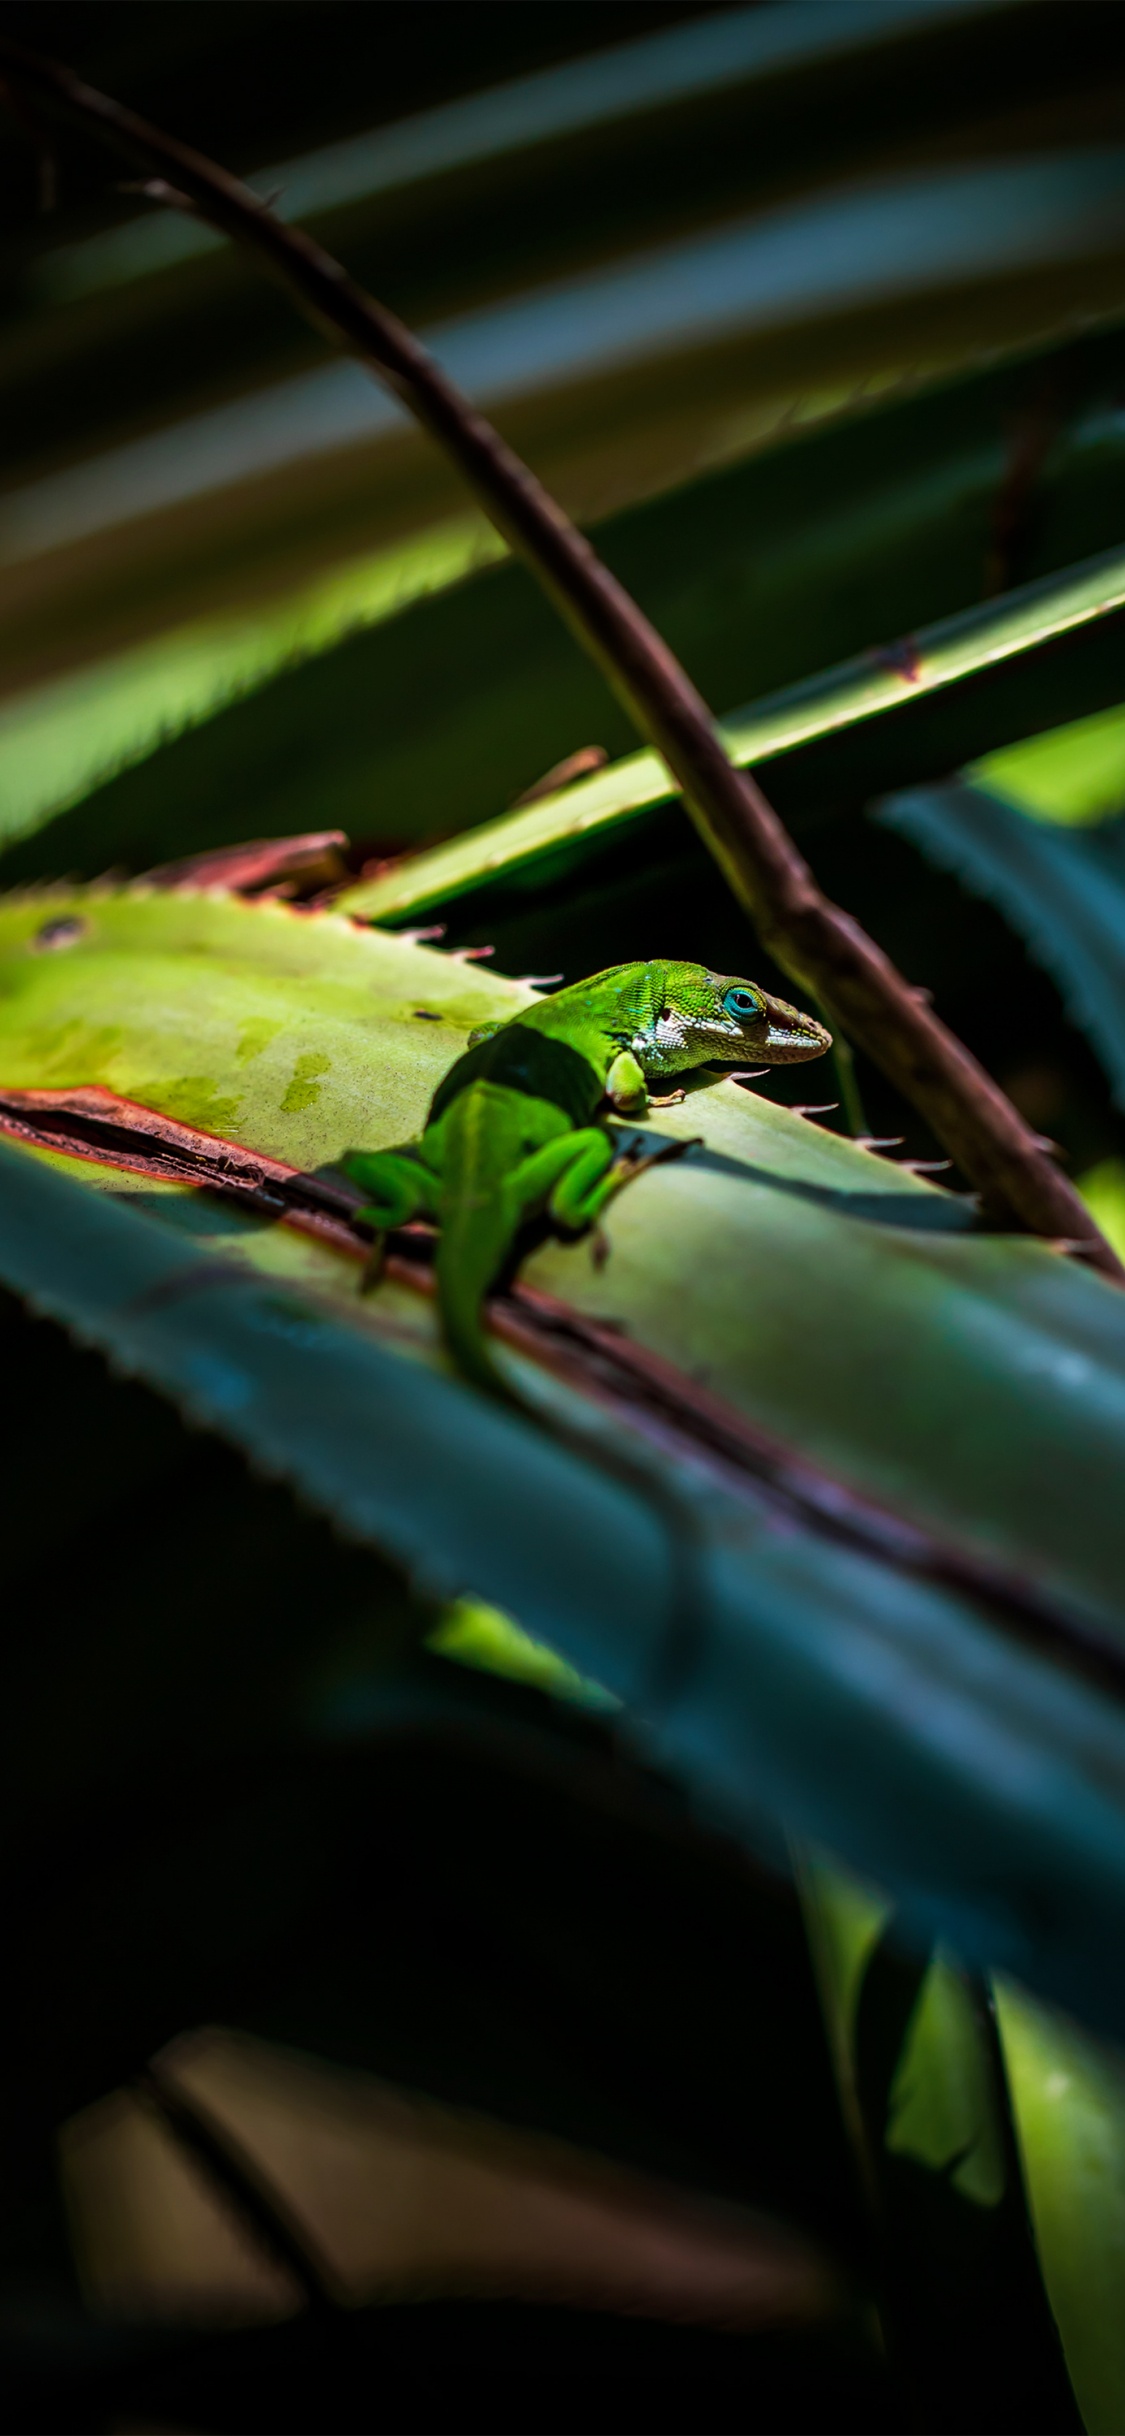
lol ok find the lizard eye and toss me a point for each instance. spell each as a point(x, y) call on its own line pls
point(742, 1004)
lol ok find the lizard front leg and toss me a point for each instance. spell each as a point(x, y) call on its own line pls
point(628, 1090)
point(625, 1085)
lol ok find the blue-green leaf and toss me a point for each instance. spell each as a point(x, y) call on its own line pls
point(1063, 889)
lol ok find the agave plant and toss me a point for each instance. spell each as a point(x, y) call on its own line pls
point(415, 1905)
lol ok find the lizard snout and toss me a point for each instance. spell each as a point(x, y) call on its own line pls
point(792, 1036)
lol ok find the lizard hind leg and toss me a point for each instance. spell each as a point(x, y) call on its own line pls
point(574, 1176)
point(398, 1188)
point(583, 1190)
point(591, 1176)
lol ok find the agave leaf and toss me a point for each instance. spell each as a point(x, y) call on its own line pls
point(217, 1663)
point(210, 1647)
point(941, 696)
point(601, 93)
point(299, 1015)
point(879, 518)
point(1063, 889)
point(927, 2090)
point(975, 1384)
point(819, 1683)
point(851, 271)
point(1069, 2104)
point(62, 738)
point(1073, 774)
point(313, 1034)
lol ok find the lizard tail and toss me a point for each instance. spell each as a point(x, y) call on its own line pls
point(468, 1261)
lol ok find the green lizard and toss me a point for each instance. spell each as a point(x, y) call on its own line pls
point(513, 1129)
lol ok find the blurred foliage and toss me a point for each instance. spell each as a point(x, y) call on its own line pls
point(837, 541)
point(54, 742)
point(1074, 773)
point(1104, 1188)
point(481, 1637)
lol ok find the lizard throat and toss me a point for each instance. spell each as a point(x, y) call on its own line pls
point(673, 1042)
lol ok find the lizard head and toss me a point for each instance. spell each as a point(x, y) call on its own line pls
point(715, 1018)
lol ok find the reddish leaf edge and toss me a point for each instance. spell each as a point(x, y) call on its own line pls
point(263, 866)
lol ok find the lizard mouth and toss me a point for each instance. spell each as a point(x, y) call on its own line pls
point(787, 1044)
point(787, 1048)
point(790, 1034)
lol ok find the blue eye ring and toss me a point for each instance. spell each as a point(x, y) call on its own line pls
point(742, 1004)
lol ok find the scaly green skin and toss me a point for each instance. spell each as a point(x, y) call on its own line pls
point(510, 1131)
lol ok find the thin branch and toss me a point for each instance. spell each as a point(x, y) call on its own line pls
point(815, 941)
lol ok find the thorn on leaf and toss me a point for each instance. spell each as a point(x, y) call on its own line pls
point(157, 190)
point(582, 764)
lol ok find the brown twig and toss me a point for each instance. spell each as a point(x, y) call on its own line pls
point(815, 941)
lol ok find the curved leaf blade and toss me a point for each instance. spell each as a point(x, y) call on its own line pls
point(937, 698)
point(883, 518)
point(1062, 889)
